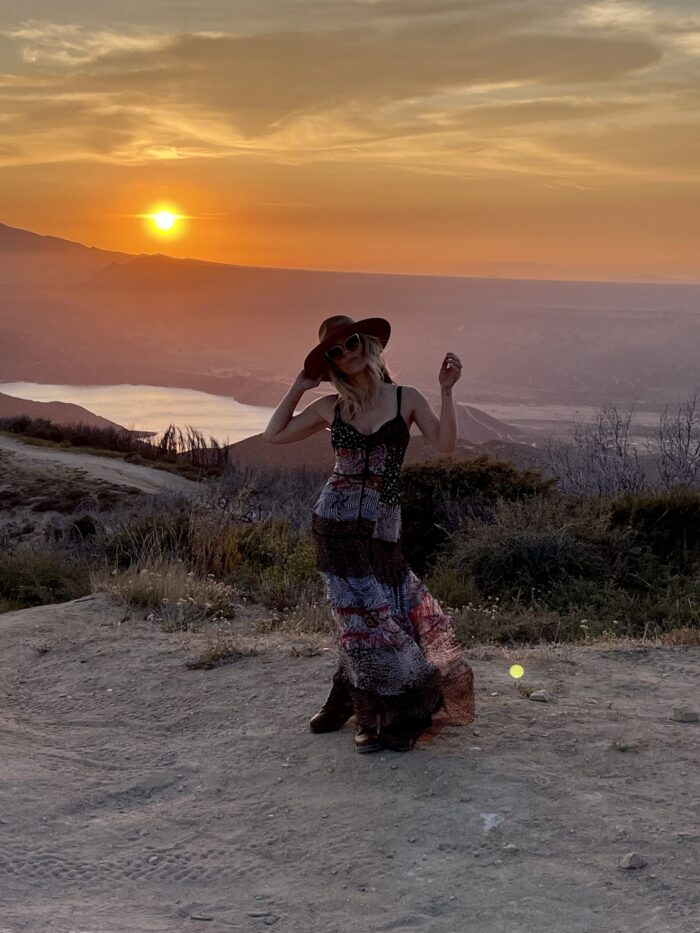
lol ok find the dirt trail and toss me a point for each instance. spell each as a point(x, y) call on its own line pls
point(144, 478)
point(139, 796)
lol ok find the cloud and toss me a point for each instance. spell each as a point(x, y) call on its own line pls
point(67, 44)
point(468, 88)
point(258, 81)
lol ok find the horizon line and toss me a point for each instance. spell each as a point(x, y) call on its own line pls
point(499, 278)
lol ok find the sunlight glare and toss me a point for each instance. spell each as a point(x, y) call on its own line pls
point(164, 220)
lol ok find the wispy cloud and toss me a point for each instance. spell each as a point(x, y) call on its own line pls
point(468, 87)
point(45, 43)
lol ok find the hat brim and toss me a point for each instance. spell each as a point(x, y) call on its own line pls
point(316, 363)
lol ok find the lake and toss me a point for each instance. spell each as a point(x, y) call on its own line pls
point(153, 408)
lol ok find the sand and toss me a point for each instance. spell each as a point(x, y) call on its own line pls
point(138, 795)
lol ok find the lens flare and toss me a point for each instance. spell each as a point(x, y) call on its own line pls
point(516, 671)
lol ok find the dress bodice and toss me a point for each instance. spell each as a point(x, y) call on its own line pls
point(364, 486)
point(374, 459)
point(394, 431)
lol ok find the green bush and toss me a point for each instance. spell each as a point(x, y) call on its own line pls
point(438, 494)
point(528, 561)
point(668, 523)
point(36, 578)
point(284, 585)
point(272, 560)
point(536, 550)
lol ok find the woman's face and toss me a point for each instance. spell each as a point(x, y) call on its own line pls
point(352, 362)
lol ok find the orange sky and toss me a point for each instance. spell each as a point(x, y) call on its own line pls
point(422, 136)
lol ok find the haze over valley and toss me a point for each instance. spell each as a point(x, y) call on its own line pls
point(75, 315)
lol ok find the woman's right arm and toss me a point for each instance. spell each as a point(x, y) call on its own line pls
point(286, 427)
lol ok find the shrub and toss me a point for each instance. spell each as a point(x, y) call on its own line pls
point(36, 578)
point(531, 560)
point(556, 553)
point(160, 535)
point(667, 522)
point(439, 494)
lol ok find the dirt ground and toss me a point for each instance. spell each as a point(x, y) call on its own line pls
point(140, 796)
point(110, 469)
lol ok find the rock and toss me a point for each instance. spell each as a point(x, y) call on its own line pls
point(684, 714)
point(632, 860)
point(509, 847)
point(541, 696)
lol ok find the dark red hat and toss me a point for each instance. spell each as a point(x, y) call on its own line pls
point(334, 330)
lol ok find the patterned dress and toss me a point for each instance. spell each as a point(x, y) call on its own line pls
point(399, 660)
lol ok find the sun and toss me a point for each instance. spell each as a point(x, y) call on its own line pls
point(164, 220)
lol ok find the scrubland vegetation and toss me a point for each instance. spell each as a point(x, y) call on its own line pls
point(513, 555)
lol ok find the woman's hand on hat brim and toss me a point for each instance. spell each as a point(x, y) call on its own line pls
point(304, 382)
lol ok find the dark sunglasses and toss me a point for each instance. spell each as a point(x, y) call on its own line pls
point(349, 344)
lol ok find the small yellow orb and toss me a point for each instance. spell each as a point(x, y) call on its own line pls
point(516, 670)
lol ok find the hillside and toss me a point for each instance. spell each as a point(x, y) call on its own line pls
point(58, 412)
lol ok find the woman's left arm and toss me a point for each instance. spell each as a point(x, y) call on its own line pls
point(440, 432)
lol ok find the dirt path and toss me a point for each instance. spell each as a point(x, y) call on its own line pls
point(140, 796)
point(113, 470)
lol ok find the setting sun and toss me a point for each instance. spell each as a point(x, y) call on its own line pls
point(164, 220)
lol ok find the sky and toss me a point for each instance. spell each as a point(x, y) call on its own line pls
point(460, 137)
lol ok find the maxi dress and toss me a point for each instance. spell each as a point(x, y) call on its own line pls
point(399, 661)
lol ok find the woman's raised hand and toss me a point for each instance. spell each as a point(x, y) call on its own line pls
point(303, 382)
point(450, 371)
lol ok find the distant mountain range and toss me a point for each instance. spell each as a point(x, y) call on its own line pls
point(71, 313)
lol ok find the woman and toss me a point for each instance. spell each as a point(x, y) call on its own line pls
point(400, 664)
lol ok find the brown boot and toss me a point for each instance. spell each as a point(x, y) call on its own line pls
point(334, 713)
point(367, 740)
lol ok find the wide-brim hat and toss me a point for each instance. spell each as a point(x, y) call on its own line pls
point(334, 330)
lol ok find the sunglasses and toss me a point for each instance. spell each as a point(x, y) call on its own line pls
point(349, 344)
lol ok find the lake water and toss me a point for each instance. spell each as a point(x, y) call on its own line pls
point(153, 408)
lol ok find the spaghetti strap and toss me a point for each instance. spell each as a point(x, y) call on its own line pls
point(398, 401)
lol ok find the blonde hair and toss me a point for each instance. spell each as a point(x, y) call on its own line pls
point(376, 367)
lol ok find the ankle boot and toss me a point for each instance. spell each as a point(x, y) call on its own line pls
point(334, 713)
point(367, 740)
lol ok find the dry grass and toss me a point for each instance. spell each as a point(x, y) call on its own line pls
point(178, 600)
point(681, 636)
point(310, 617)
point(225, 649)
